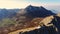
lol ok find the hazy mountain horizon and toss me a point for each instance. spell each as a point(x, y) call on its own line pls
point(55, 9)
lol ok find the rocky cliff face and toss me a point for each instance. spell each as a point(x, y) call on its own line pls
point(51, 29)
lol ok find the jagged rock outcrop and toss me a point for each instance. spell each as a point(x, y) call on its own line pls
point(56, 23)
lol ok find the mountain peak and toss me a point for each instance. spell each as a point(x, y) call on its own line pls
point(38, 11)
point(30, 5)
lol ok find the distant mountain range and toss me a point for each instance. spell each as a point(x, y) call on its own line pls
point(8, 13)
point(32, 11)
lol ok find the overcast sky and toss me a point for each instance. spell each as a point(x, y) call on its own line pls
point(24, 3)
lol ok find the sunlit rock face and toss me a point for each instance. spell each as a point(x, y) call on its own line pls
point(51, 29)
point(47, 21)
point(43, 30)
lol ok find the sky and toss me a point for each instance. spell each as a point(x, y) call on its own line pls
point(9, 4)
